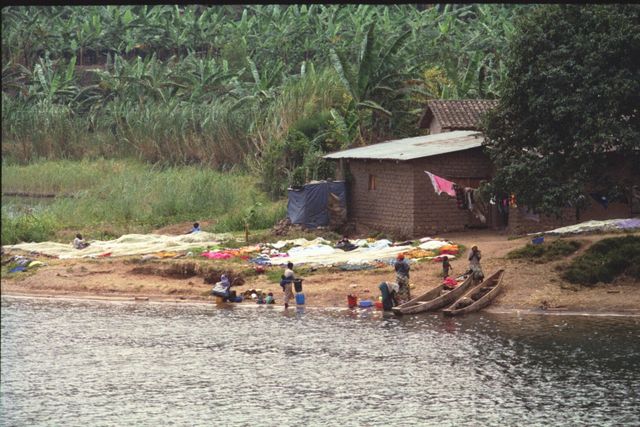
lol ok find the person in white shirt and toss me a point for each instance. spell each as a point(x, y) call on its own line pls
point(79, 242)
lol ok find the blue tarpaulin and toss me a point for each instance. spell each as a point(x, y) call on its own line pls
point(309, 205)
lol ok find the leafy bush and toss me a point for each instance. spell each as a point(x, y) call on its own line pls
point(545, 252)
point(27, 228)
point(606, 260)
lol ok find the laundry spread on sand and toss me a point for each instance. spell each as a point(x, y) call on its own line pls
point(126, 245)
point(593, 226)
point(316, 252)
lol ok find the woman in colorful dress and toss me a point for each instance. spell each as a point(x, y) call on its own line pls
point(402, 278)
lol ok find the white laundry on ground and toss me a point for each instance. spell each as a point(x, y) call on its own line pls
point(128, 244)
point(590, 226)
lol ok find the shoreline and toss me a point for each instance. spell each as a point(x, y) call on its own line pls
point(199, 302)
point(530, 287)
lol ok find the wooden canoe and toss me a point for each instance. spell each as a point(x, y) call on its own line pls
point(482, 295)
point(433, 299)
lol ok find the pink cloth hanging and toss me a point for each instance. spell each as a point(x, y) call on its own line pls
point(441, 185)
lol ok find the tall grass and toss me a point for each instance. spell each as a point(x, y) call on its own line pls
point(132, 196)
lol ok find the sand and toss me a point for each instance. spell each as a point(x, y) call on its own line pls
point(529, 286)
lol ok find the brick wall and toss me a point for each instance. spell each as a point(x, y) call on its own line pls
point(404, 202)
point(387, 208)
point(434, 213)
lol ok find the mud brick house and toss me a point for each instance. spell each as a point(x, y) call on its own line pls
point(388, 189)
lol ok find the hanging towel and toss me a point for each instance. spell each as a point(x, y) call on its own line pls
point(460, 199)
point(441, 185)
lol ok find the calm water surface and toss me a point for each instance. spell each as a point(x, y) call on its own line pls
point(83, 363)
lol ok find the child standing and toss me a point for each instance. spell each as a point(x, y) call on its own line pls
point(446, 266)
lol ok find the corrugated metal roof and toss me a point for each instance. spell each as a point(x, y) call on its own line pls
point(414, 148)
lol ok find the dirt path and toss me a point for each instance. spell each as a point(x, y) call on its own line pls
point(529, 285)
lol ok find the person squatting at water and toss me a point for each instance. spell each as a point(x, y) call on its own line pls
point(287, 284)
point(402, 278)
point(474, 264)
point(221, 288)
point(389, 293)
point(79, 242)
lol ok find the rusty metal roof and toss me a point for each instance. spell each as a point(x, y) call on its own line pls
point(414, 148)
point(453, 114)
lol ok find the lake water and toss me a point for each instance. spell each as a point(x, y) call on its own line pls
point(15, 206)
point(91, 363)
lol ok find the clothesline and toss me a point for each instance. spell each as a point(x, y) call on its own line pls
point(466, 197)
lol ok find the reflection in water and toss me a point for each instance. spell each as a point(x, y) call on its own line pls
point(94, 363)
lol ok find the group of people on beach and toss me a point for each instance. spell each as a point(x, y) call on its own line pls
point(393, 293)
point(397, 293)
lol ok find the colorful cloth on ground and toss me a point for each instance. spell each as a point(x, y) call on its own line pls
point(449, 249)
point(441, 185)
point(433, 245)
point(419, 253)
point(450, 282)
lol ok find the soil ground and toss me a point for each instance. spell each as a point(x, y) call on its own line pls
point(529, 286)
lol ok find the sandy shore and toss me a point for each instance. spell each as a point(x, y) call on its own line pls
point(529, 286)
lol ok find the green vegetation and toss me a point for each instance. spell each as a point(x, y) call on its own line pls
point(606, 260)
point(546, 252)
point(268, 89)
point(116, 197)
point(568, 114)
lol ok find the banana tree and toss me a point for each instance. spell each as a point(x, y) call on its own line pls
point(374, 79)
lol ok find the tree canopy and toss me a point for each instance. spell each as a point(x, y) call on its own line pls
point(569, 106)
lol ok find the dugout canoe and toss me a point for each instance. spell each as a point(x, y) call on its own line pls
point(482, 295)
point(434, 299)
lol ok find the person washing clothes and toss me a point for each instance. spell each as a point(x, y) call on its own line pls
point(287, 283)
point(221, 288)
point(195, 229)
point(389, 292)
point(474, 264)
point(79, 242)
point(402, 278)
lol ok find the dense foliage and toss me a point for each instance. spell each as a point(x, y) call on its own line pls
point(605, 261)
point(270, 88)
point(570, 102)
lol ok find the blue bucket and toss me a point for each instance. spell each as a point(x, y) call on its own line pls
point(366, 303)
point(537, 240)
point(300, 299)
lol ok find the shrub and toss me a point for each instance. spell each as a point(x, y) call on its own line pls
point(606, 260)
point(27, 228)
point(546, 252)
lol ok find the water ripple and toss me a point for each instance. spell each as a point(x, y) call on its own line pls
point(92, 363)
